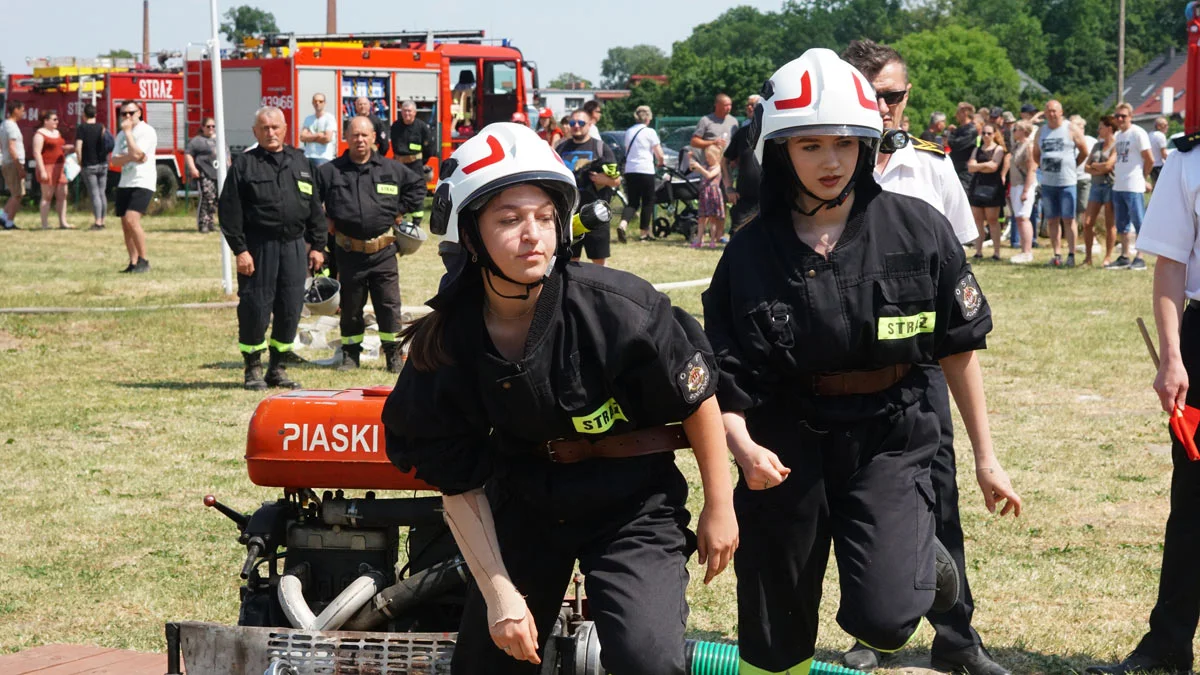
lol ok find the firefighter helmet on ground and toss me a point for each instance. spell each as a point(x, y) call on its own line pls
point(322, 295)
point(409, 237)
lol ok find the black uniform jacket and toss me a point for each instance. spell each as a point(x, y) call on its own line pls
point(896, 289)
point(412, 139)
point(606, 354)
point(364, 199)
point(271, 196)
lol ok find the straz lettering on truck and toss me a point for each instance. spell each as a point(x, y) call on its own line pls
point(337, 438)
point(156, 89)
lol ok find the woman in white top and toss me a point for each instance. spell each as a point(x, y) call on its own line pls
point(643, 153)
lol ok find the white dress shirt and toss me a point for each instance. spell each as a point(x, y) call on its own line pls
point(930, 176)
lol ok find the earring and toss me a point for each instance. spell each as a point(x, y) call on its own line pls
point(474, 258)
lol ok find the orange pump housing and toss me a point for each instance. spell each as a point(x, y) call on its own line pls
point(323, 438)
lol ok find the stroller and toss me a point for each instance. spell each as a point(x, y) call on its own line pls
point(677, 195)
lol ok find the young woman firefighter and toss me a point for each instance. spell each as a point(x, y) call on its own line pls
point(818, 313)
point(537, 397)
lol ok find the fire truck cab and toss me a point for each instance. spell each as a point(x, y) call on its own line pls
point(458, 80)
point(66, 85)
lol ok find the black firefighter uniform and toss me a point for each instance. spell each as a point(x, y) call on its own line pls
point(364, 201)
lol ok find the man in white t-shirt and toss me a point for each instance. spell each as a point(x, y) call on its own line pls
point(319, 133)
point(595, 111)
point(12, 163)
point(1130, 183)
point(134, 151)
point(1158, 146)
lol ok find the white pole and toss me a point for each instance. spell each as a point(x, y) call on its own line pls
point(214, 58)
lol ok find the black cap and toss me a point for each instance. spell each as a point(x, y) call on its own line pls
point(997, 111)
point(1028, 108)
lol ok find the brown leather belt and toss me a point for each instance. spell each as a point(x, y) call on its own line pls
point(409, 159)
point(859, 381)
point(666, 438)
point(364, 246)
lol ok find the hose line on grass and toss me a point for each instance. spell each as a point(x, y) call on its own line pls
point(716, 658)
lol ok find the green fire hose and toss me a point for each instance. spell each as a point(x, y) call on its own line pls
point(715, 658)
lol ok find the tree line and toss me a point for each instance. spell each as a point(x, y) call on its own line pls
point(957, 50)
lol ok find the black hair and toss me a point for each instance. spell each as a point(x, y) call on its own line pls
point(592, 107)
point(870, 57)
point(14, 106)
point(89, 110)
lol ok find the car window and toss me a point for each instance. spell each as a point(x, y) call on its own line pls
point(678, 137)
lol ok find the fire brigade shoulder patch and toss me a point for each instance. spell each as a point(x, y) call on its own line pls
point(970, 298)
point(693, 379)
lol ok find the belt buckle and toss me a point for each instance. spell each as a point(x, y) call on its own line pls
point(549, 447)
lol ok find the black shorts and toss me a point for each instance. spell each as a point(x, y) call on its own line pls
point(133, 199)
point(596, 244)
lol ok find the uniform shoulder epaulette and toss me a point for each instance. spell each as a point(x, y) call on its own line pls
point(928, 146)
point(1186, 143)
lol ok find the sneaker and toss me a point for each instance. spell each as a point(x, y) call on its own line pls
point(1138, 264)
point(96, 227)
point(645, 237)
point(1119, 264)
point(1056, 261)
point(142, 266)
point(1070, 260)
point(1021, 259)
point(129, 269)
point(621, 238)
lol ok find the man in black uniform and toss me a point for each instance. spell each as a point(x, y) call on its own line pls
point(365, 195)
point(596, 173)
point(740, 155)
point(362, 108)
point(270, 217)
point(413, 144)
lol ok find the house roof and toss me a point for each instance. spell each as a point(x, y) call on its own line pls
point(1027, 82)
point(1143, 89)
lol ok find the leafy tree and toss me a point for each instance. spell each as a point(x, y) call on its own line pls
point(618, 114)
point(1016, 28)
point(119, 54)
point(695, 80)
point(244, 20)
point(953, 64)
point(570, 81)
point(623, 62)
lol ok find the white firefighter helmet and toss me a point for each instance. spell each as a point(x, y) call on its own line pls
point(322, 295)
point(409, 237)
point(817, 94)
point(499, 156)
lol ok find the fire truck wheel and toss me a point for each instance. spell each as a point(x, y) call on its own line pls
point(167, 186)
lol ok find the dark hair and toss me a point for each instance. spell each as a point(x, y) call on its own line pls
point(425, 341)
point(592, 107)
point(128, 103)
point(14, 106)
point(46, 114)
point(89, 110)
point(869, 57)
point(204, 122)
point(1109, 121)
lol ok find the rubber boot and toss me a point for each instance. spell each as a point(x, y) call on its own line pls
point(350, 355)
point(277, 372)
point(254, 373)
point(394, 356)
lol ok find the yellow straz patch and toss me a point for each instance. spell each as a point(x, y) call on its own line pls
point(601, 420)
point(305, 187)
point(386, 189)
point(900, 327)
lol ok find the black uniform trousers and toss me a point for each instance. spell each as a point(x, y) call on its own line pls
point(1175, 615)
point(953, 627)
point(375, 273)
point(635, 560)
point(275, 289)
point(864, 486)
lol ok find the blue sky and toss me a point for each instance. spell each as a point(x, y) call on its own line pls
point(560, 36)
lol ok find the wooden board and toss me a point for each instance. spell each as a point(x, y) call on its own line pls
point(82, 660)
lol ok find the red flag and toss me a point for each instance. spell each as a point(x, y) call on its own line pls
point(1184, 423)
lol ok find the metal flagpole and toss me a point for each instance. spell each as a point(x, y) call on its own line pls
point(1121, 54)
point(214, 58)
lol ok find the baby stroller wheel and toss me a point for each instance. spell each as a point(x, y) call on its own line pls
point(687, 227)
point(662, 227)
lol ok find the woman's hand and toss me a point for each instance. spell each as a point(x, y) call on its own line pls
point(994, 482)
point(760, 467)
point(517, 637)
point(717, 535)
point(1027, 194)
point(42, 176)
point(1171, 384)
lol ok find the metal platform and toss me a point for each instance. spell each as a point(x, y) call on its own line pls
point(82, 660)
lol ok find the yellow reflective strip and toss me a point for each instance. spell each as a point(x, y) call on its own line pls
point(250, 349)
point(281, 346)
point(612, 171)
point(900, 327)
point(417, 214)
point(386, 189)
point(387, 337)
point(893, 651)
point(352, 339)
point(304, 186)
point(414, 146)
point(601, 420)
point(801, 668)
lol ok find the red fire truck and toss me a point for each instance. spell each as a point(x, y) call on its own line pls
point(458, 80)
point(66, 85)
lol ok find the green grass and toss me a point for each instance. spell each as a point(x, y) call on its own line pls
point(114, 426)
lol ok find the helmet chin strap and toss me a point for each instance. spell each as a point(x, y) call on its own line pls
point(490, 268)
point(841, 198)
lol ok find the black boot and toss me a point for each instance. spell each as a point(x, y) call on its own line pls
point(1138, 663)
point(277, 372)
point(254, 373)
point(973, 660)
point(395, 357)
point(861, 657)
point(947, 579)
point(349, 357)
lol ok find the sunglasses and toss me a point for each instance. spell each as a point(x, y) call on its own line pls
point(210, 126)
point(1121, 116)
point(128, 113)
point(891, 97)
point(576, 123)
